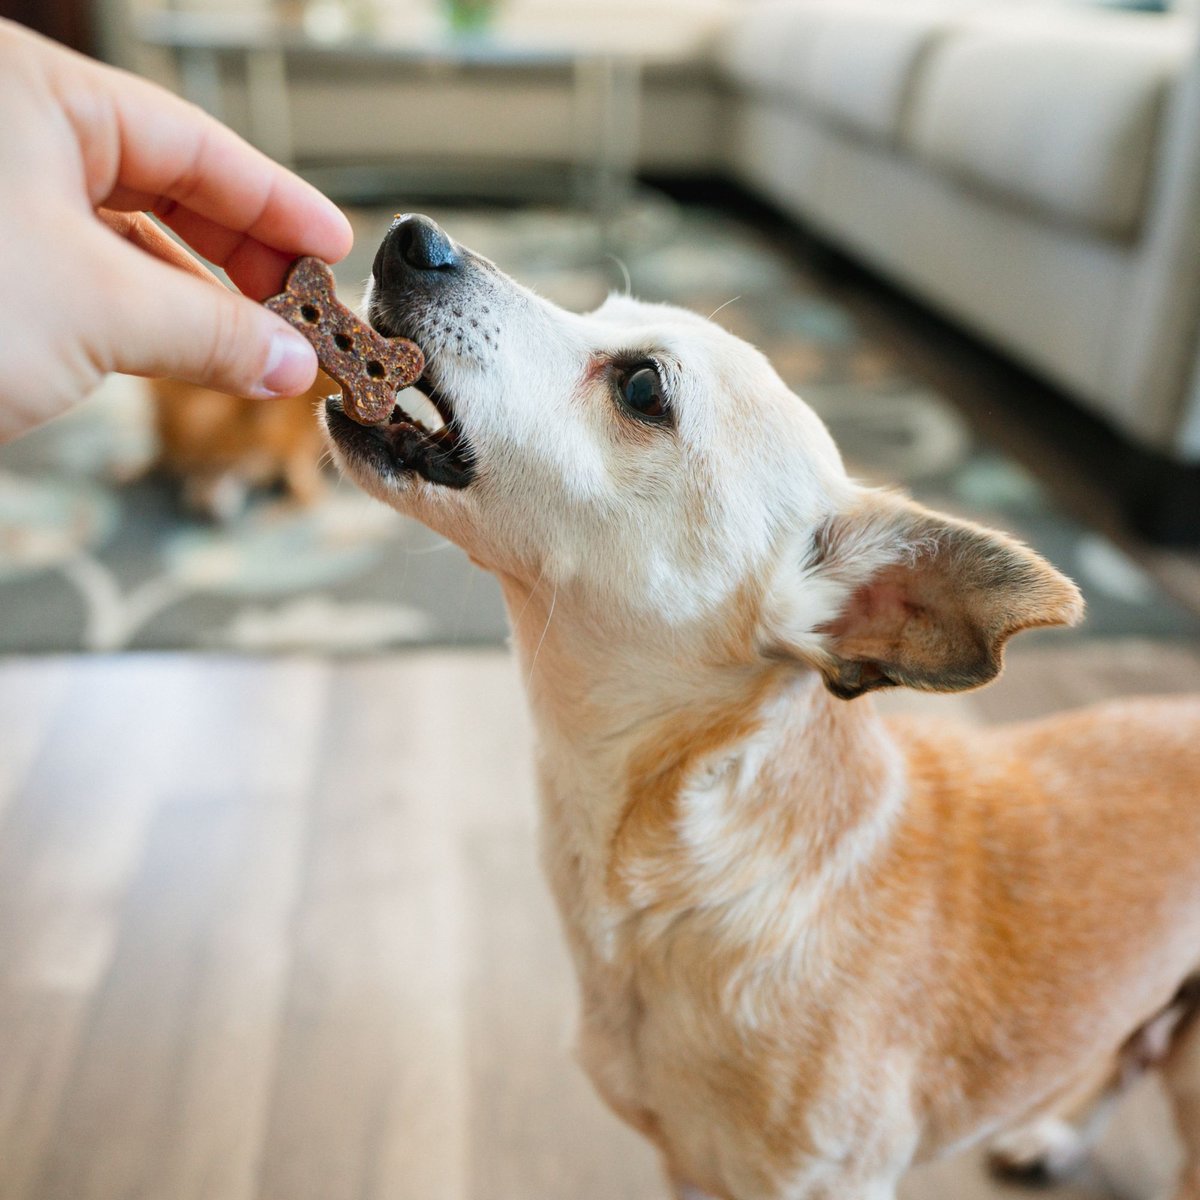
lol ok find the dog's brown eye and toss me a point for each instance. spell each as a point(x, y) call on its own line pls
point(642, 392)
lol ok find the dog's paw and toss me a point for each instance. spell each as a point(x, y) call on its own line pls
point(1039, 1154)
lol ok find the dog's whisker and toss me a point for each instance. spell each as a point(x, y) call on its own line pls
point(624, 272)
point(536, 584)
point(542, 639)
point(732, 300)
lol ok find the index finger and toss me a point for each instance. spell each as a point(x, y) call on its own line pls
point(138, 138)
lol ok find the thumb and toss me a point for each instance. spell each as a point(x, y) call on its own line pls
point(166, 322)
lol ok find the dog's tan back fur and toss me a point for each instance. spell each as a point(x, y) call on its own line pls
point(1001, 904)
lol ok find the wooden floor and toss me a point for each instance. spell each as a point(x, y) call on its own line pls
point(274, 929)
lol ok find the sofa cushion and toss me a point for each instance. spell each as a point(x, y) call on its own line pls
point(1058, 109)
point(758, 51)
point(863, 57)
point(853, 60)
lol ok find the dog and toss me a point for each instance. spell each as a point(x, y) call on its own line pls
point(813, 946)
point(221, 448)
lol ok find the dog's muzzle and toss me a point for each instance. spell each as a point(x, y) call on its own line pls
point(414, 269)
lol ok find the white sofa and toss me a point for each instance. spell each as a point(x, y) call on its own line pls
point(1031, 170)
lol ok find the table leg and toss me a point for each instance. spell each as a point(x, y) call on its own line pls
point(606, 128)
point(621, 137)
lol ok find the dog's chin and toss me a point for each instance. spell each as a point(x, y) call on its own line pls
point(403, 449)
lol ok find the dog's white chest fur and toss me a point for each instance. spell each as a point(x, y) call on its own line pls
point(687, 965)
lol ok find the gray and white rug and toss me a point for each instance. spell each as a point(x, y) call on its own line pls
point(89, 561)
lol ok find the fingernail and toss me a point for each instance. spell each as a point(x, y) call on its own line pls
point(291, 365)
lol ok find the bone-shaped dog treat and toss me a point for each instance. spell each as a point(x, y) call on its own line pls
point(370, 368)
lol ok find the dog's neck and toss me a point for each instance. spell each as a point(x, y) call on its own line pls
point(672, 775)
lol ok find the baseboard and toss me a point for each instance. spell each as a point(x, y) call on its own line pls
point(1091, 467)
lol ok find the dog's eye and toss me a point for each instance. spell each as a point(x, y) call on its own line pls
point(641, 392)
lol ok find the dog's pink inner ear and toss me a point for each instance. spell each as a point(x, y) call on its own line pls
point(910, 625)
point(937, 617)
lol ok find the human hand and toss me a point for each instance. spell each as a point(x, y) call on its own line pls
point(90, 284)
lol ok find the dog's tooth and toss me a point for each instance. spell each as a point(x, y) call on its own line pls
point(421, 409)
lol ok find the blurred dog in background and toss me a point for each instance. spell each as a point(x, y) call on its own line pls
point(222, 448)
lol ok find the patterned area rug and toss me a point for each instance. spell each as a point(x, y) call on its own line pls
point(96, 555)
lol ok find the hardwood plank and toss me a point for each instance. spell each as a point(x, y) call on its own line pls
point(931, 706)
point(276, 929)
point(538, 1130)
point(1137, 667)
point(1046, 679)
point(368, 1097)
point(123, 1109)
point(1139, 1156)
point(184, 903)
point(131, 730)
point(39, 1031)
point(466, 731)
point(220, 1098)
point(76, 825)
point(30, 692)
point(73, 831)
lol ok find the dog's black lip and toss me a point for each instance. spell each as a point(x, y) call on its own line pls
point(403, 447)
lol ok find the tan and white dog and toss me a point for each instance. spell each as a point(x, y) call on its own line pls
point(812, 946)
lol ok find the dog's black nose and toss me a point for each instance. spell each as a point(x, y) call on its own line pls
point(414, 243)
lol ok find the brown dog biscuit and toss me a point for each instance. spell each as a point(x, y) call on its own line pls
point(370, 368)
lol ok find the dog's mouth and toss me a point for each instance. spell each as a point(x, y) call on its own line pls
point(432, 445)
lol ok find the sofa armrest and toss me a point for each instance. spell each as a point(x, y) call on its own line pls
point(1158, 354)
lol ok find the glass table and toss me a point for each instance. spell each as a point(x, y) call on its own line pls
point(254, 52)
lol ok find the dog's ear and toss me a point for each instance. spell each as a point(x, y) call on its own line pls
point(894, 594)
